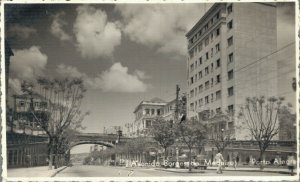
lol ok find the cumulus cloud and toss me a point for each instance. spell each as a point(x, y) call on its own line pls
point(161, 26)
point(57, 27)
point(96, 36)
point(20, 31)
point(27, 64)
point(115, 79)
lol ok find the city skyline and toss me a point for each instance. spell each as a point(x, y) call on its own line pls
point(57, 41)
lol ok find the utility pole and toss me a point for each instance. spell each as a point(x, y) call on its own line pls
point(177, 102)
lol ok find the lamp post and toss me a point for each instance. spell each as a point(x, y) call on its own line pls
point(177, 158)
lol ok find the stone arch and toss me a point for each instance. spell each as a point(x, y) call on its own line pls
point(107, 144)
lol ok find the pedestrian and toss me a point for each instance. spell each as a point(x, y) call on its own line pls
point(220, 160)
point(291, 163)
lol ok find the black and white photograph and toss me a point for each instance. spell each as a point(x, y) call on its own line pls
point(149, 91)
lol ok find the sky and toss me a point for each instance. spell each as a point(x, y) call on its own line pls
point(125, 53)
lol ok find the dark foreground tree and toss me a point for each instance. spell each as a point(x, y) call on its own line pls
point(61, 109)
point(261, 117)
point(193, 134)
point(164, 133)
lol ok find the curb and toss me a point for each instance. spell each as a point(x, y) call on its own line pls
point(180, 171)
point(255, 170)
point(56, 172)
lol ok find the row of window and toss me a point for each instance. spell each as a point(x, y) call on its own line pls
point(217, 96)
point(199, 46)
point(218, 110)
point(206, 26)
point(209, 24)
point(199, 62)
point(199, 75)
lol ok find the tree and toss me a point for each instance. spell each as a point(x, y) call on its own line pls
point(164, 133)
point(62, 109)
point(192, 133)
point(261, 118)
point(219, 134)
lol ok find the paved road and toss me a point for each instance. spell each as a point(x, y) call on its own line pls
point(109, 171)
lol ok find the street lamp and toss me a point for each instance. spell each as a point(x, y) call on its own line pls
point(177, 158)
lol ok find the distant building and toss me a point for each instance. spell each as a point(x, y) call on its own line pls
point(147, 111)
point(233, 55)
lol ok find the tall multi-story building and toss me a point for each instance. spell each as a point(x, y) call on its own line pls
point(233, 55)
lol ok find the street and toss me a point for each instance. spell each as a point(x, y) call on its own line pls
point(110, 171)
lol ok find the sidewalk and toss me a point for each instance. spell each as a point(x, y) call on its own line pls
point(245, 169)
point(252, 169)
point(41, 171)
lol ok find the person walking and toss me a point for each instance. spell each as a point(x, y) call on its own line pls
point(219, 159)
point(291, 163)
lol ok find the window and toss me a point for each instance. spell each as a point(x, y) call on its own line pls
point(229, 41)
point(206, 99)
point(229, 25)
point(230, 74)
point(191, 54)
point(211, 37)
point(206, 41)
point(200, 32)
point(218, 95)
point(212, 67)
point(147, 111)
point(206, 56)
point(158, 112)
point(22, 103)
point(192, 67)
point(200, 74)
point(217, 48)
point(218, 15)
point(200, 46)
point(207, 85)
point(212, 52)
point(230, 108)
point(229, 9)
point(218, 110)
point(200, 60)
point(206, 71)
point(212, 98)
point(192, 93)
point(206, 27)
point(192, 106)
point(196, 91)
point(218, 78)
point(230, 58)
point(212, 82)
point(218, 63)
point(196, 64)
point(200, 88)
point(152, 111)
point(148, 123)
point(218, 31)
point(230, 91)
point(36, 104)
point(200, 102)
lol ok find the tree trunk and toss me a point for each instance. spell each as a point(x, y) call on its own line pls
point(262, 159)
point(50, 153)
point(190, 159)
point(165, 156)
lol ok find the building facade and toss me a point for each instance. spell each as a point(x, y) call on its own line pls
point(146, 112)
point(233, 55)
point(27, 143)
